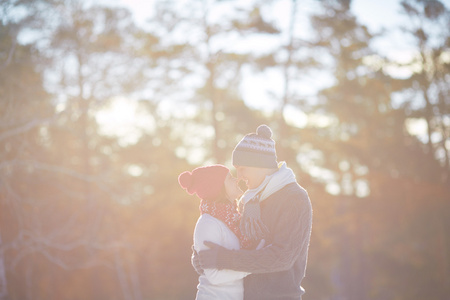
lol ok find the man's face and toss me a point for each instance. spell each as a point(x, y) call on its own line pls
point(253, 177)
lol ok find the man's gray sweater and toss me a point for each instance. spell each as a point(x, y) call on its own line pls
point(279, 268)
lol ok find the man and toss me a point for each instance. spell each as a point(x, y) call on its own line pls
point(276, 208)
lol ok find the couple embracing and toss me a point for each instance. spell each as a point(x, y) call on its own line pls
point(253, 246)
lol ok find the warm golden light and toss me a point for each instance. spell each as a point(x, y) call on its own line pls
point(121, 118)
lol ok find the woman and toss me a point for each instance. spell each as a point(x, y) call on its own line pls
point(218, 223)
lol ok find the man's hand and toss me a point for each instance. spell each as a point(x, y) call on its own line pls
point(208, 258)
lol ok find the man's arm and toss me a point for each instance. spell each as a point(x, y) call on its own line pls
point(290, 239)
point(211, 230)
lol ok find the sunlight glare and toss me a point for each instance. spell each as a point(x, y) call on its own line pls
point(321, 121)
point(406, 64)
point(135, 170)
point(121, 118)
point(362, 188)
point(295, 117)
point(333, 188)
point(417, 127)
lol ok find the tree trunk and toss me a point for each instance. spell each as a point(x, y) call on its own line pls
point(3, 282)
point(283, 135)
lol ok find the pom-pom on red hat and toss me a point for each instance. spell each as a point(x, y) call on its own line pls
point(207, 182)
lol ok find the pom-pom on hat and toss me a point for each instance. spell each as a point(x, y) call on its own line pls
point(207, 182)
point(256, 150)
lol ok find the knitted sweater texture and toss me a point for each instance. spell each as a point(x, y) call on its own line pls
point(279, 268)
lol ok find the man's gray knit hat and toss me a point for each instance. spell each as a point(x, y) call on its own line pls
point(256, 150)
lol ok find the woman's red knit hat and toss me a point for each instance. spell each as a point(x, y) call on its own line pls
point(207, 182)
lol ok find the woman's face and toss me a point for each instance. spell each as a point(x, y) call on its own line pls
point(232, 188)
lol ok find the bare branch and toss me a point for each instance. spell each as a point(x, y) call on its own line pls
point(24, 128)
point(10, 55)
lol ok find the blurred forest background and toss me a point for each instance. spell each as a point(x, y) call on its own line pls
point(99, 115)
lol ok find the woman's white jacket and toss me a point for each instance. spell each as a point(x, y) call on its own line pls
point(217, 284)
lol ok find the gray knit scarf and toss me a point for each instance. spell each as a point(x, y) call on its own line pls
point(251, 224)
